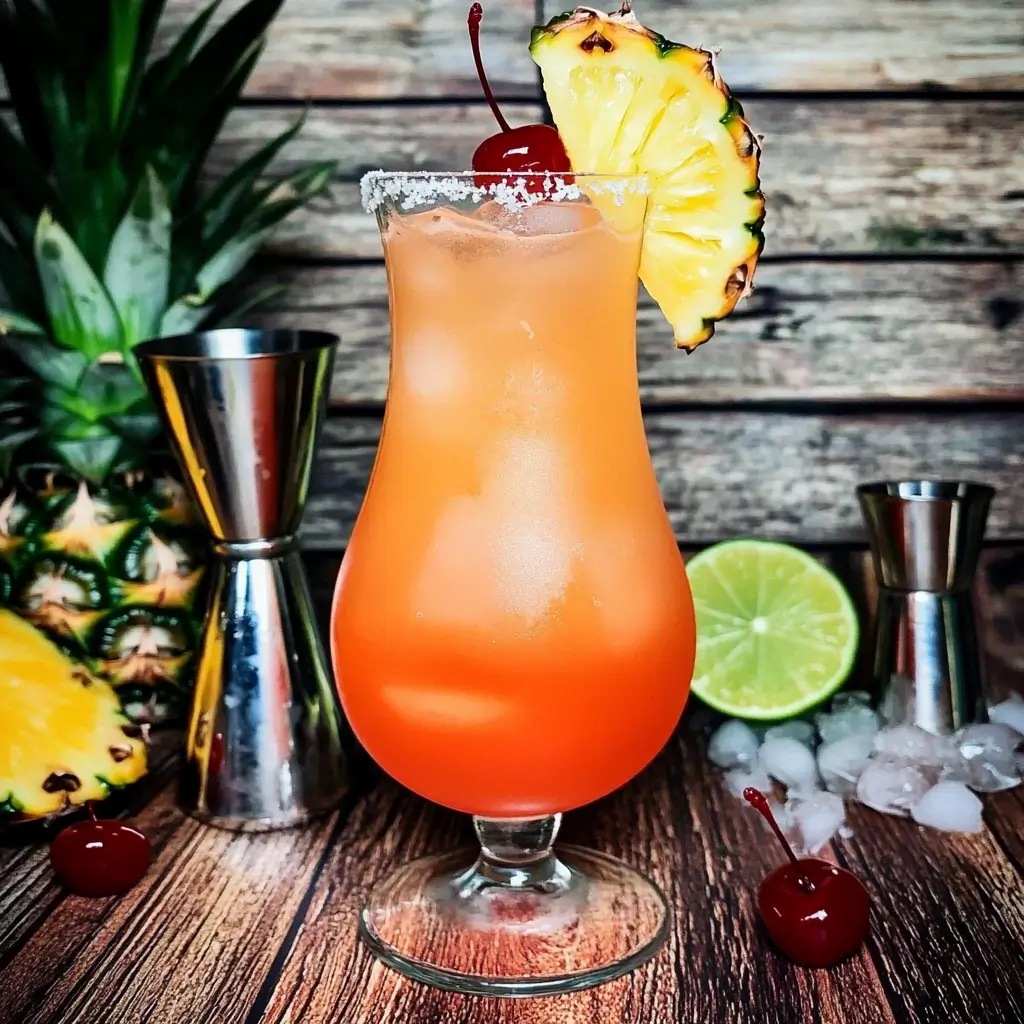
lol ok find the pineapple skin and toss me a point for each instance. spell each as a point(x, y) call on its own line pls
point(64, 738)
point(114, 577)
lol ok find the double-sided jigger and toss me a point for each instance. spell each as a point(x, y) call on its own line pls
point(926, 538)
point(243, 410)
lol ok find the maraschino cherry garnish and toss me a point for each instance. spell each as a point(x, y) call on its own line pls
point(529, 148)
point(100, 858)
point(815, 912)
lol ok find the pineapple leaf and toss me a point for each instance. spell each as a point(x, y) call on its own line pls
point(137, 427)
point(289, 193)
point(16, 59)
point(237, 187)
point(197, 127)
point(61, 367)
point(269, 206)
point(214, 67)
point(19, 285)
point(23, 188)
point(15, 323)
point(108, 389)
point(138, 269)
point(125, 21)
point(89, 457)
point(146, 30)
point(82, 315)
point(228, 262)
point(230, 316)
point(183, 317)
point(163, 73)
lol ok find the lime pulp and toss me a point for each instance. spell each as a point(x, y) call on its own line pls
point(776, 631)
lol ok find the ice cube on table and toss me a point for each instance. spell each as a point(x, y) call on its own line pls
point(892, 785)
point(851, 720)
point(797, 729)
point(989, 755)
point(733, 745)
point(817, 816)
point(850, 699)
point(1009, 712)
point(739, 779)
point(949, 806)
point(913, 744)
point(789, 761)
point(842, 761)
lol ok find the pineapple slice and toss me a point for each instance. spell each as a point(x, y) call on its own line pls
point(628, 101)
point(63, 736)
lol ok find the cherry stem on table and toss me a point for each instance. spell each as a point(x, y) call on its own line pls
point(476, 13)
point(759, 802)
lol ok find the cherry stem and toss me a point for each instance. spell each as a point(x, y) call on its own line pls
point(91, 809)
point(476, 13)
point(759, 802)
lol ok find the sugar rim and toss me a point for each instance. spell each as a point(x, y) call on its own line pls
point(409, 189)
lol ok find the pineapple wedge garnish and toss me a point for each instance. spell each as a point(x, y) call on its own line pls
point(625, 100)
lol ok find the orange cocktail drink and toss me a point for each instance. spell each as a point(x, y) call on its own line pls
point(513, 633)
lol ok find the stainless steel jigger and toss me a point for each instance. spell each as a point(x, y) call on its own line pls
point(243, 410)
point(926, 538)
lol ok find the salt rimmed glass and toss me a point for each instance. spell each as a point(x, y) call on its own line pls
point(512, 631)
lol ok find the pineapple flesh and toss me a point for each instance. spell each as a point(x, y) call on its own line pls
point(625, 100)
point(64, 738)
point(107, 238)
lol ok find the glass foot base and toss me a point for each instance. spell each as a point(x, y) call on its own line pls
point(563, 923)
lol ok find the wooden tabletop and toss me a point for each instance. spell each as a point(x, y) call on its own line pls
point(235, 929)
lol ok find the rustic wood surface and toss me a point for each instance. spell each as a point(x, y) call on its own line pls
point(787, 476)
point(261, 929)
point(389, 48)
point(824, 332)
point(840, 175)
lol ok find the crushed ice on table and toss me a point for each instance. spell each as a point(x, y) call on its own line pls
point(842, 761)
point(989, 753)
point(893, 785)
point(864, 755)
point(733, 745)
point(738, 779)
point(910, 743)
point(817, 816)
point(850, 699)
point(1009, 712)
point(949, 806)
point(788, 761)
point(795, 729)
point(851, 720)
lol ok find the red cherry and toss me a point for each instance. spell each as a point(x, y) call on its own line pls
point(100, 858)
point(815, 912)
point(529, 148)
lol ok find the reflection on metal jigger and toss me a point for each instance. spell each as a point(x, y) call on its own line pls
point(926, 538)
point(243, 410)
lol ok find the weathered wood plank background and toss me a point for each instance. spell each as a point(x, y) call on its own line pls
point(886, 335)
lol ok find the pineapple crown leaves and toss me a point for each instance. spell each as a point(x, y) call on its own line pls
point(100, 208)
point(106, 237)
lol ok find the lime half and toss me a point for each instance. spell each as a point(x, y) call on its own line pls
point(776, 631)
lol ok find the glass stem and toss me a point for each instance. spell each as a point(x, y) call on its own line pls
point(516, 853)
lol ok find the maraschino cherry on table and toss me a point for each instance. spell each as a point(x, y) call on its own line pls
point(530, 147)
point(100, 858)
point(815, 912)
